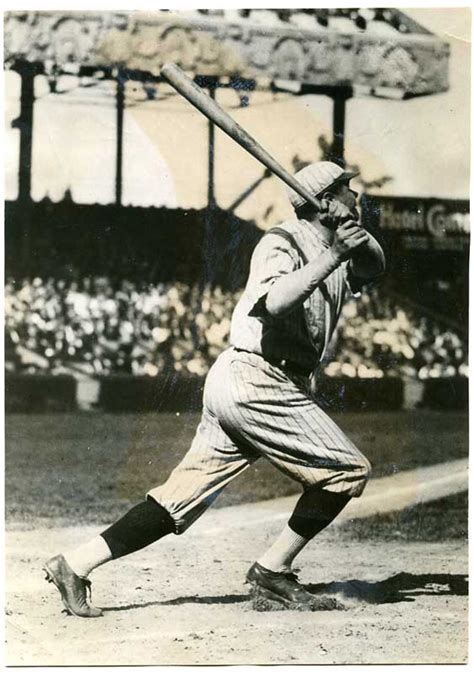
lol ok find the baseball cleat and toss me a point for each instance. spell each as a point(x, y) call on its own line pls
point(284, 589)
point(75, 591)
point(279, 586)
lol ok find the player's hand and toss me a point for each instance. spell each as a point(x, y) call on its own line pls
point(333, 213)
point(347, 238)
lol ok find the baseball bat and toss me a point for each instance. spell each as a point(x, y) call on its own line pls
point(213, 111)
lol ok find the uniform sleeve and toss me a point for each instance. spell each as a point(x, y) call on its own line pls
point(353, 283)
point(273, 257)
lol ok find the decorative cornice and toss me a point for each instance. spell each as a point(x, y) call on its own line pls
point(410, 63)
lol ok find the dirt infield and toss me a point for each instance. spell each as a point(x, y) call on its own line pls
point(397, 559)
point(183, 602)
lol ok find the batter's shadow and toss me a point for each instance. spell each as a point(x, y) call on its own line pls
point(402, 587)
point(178, 601)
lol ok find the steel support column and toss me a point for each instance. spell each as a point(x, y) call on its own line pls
point(120, 103)
point(339, 126)
point(211, 201)
point(24, 123)
point(209, 242)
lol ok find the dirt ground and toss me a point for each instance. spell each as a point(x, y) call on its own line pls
point(183, 601)
point(398, 560)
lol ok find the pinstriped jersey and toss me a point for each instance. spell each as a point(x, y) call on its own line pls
point(303, 335)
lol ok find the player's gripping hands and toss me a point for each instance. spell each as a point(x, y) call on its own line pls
point(347, 238)
point(333, 213)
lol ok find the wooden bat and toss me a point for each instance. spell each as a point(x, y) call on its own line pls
point(213, 111)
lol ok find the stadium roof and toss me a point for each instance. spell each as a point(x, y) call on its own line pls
point(379, 52)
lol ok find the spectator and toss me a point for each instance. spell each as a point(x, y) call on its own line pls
point(94, 327)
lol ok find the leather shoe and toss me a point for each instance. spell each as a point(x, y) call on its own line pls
point(74, 590)
point(282, 587)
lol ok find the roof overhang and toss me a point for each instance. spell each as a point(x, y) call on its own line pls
point(371, 62)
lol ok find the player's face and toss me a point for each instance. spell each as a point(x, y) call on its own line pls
point(347, 196)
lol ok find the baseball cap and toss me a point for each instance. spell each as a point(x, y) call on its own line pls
point(317, 178)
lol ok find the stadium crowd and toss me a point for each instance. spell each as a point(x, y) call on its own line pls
point(377, 337)
point(97, 327)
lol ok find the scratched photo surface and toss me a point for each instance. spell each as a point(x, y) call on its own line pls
point(236, 336)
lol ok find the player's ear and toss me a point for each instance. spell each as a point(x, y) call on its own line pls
point(328, 196)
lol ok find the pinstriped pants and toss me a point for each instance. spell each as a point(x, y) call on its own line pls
point(253, 409)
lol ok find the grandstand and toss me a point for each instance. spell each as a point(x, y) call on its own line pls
point(101, 284)
point(96, 326)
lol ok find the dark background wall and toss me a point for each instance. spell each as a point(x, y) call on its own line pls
point(144, 244)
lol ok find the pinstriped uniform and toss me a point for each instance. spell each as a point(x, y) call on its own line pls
point(304, 334)
point(257, 403)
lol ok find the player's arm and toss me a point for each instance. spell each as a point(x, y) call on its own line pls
point(368, 260)
point(292, 289)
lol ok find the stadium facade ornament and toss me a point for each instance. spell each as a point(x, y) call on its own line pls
point(385, 53)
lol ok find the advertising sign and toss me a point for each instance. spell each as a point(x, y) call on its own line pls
point(419, 224)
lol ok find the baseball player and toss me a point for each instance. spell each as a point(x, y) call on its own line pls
point(258, 399)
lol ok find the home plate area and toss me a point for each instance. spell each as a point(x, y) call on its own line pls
point(184, 600)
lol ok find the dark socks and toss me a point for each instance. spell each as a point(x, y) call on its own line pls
point(315, 509)
point(144, 524)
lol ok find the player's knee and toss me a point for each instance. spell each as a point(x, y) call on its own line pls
point(361, 475)
point(365, 468)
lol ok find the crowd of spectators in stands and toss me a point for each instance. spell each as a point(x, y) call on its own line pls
point(378, 337)
point(96, 327)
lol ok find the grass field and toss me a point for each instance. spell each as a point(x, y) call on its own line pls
point(88, 467)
